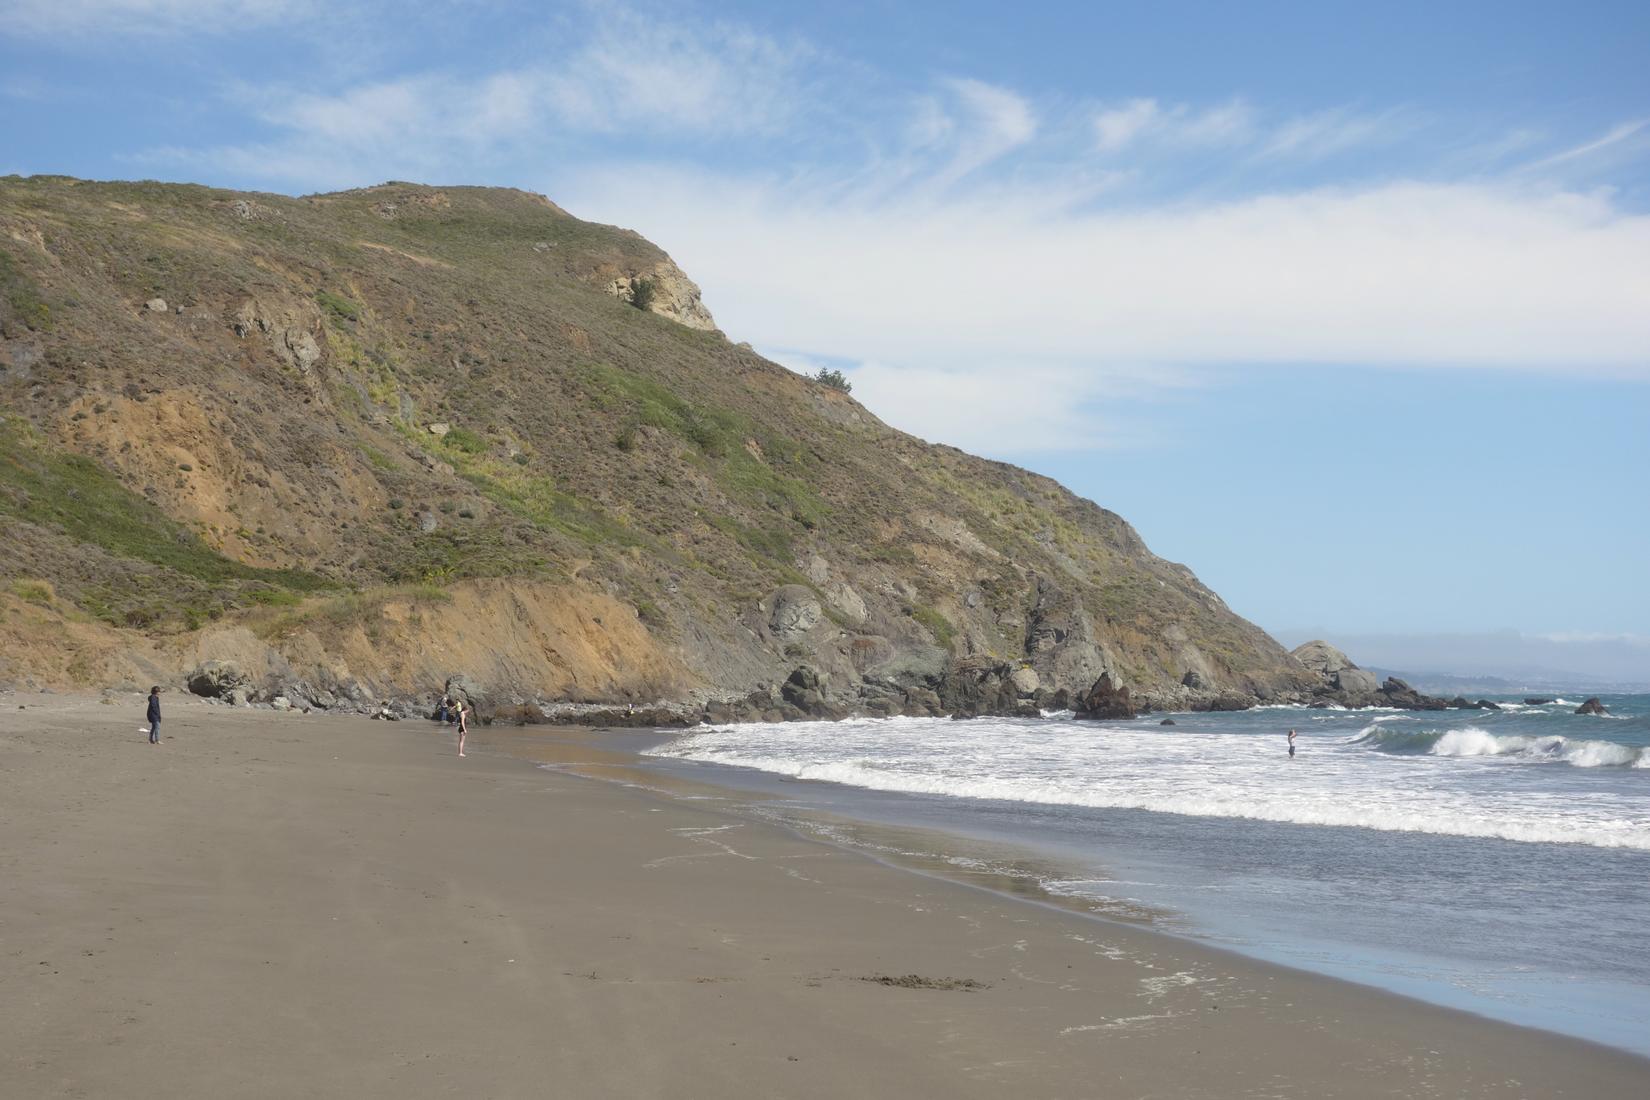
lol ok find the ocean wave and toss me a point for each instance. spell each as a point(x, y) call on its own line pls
point(1473, 741)
point(1285, 808)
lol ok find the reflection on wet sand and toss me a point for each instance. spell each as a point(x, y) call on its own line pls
point(595, 753)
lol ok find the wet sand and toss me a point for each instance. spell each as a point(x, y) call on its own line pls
point(300, 905)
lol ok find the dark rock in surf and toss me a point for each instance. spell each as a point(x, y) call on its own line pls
point(1397, 693)
point(1167, 722)
point(1106, 700)
point(1592, 706)
point(1225, 701)
point(1538, 701)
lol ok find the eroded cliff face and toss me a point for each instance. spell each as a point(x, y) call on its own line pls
point(665, 290)
point(315, 423)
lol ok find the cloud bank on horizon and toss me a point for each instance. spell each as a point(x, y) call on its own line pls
point(1017, 231)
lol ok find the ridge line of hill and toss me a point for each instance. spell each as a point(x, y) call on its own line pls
point(361, 445)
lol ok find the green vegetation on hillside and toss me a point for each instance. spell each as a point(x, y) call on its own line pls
point(588, 439)
point(20, 300)
point(74, 497)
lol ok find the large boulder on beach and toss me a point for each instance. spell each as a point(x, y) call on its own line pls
point(1592, 706)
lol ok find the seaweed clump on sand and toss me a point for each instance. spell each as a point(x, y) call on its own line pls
point(917, 981)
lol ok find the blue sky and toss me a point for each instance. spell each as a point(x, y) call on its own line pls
point(1346, 306)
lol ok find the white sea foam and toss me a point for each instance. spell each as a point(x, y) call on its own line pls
point(1410, 785)
point(1467, 741)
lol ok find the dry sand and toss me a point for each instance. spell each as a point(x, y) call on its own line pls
point(284, 905)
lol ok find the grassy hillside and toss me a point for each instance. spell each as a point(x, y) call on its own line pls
point(224, 400)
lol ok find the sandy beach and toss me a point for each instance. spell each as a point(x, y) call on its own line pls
point(302, 905)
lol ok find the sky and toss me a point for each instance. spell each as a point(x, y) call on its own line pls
point(1346, 306)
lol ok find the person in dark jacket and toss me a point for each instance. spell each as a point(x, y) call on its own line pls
point(154, 715)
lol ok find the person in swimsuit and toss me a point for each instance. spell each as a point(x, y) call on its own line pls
point(1291, 744)
point(463, 725)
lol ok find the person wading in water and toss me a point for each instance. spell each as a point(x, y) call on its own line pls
point(1291, 744)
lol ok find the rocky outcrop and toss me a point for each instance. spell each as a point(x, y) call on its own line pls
point(1223, 701)
point(1355, 681)
point(1106, 700)
point(464, 691)
point(794, 612)
point(666, 290)
point(1396, 693)
point(972, 689)
point(1592, 706)
point(216, 679)
point(1460, 702)
point(1321, 657)
point(1342, 683)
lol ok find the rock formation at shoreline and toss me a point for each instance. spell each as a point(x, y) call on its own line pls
point(1342, 683)
point(358, 444)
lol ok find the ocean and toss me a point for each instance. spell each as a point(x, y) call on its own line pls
point(1495, 861)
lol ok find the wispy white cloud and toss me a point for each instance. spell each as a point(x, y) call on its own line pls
point(146, 17)
point(994, 122)
point(1615, 137)
point(972, 297)
point(657, 75)
point(1327, 133)
point(1119, 127)
point(1146, 120)
point(1150, 125)
point(638, 77)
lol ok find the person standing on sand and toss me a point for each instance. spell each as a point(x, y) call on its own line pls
point(463, 725)
point(1291, 744)
point(154, 715)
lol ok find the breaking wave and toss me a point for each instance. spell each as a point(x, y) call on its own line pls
point(879, 775)
point(1473, 741)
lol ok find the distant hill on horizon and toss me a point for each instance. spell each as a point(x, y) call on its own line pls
point(1444, 684)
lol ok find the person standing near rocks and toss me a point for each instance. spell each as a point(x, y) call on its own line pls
point(463, 725)
point(154, 715)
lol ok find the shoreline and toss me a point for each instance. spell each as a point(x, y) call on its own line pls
point(189, 920)
point(949, 838)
